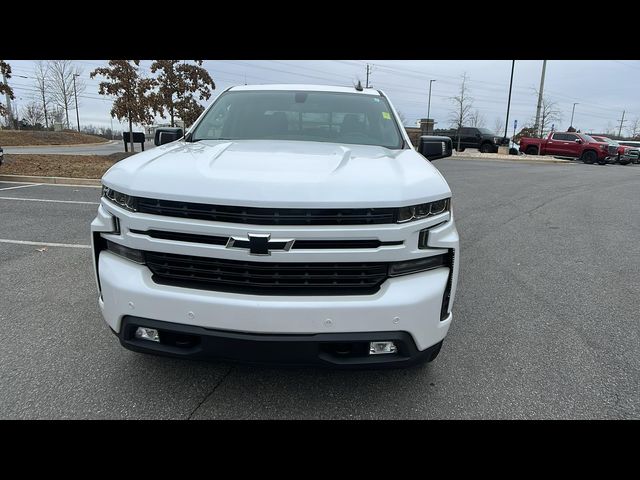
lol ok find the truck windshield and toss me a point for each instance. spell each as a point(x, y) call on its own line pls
point(351, 118)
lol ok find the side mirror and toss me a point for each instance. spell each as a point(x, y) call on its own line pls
point(577, 140)
point(435, 147)
point(167, 135)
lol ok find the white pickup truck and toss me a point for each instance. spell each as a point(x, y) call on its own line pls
point(292, 224)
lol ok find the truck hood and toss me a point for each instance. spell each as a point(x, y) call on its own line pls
point(279, 174)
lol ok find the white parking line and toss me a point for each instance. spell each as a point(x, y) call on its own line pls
point(52, 184)
point(49, 201)
point(21, 186)
point(44, 244)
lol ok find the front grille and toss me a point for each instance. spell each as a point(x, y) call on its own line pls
point(264, 277)
point(613, 150)
point(267, 216)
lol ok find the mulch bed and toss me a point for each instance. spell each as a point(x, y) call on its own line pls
point(75, 166)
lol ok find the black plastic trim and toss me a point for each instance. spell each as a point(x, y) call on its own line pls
point(446, 297)
point(267, 216)
point(274, 349)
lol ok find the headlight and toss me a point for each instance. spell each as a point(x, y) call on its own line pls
point(121, 199)
point(424, 210)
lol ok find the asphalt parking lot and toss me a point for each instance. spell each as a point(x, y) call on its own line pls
point(546, 320)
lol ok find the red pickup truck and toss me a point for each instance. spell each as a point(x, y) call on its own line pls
point(569, 144)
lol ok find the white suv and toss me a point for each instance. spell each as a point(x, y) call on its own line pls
point(292, 224)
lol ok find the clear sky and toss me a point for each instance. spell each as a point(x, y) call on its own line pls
point(602, 88)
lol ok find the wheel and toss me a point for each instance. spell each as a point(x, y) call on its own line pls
point(602, 161)
point(461, 149)
point(513, 151)
point(589, 157)
point(531, 150)
point(624, 161)
point(486, 148)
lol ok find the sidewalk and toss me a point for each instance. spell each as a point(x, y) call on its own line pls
point(476, 155)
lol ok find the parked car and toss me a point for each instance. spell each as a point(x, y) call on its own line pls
point(292, 224)
point(472, 137)
point(626, 153)
point(569, 144)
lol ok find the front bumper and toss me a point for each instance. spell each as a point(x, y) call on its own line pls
point(410, 304)
point(342, 350)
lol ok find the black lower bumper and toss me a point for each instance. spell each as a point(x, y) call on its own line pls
point(342, 350)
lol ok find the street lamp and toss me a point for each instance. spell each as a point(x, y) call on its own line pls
point(429, 106)
point(573, 110)
point(506, 126)
point(75, 94)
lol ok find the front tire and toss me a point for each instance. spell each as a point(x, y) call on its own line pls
point(486, 148)
point(531, 150)
point(589, 157)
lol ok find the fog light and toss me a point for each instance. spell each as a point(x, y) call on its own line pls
point(379, 348)
point(151, 334)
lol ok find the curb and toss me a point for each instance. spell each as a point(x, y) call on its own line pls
point(93, 182)
point(528, 160)
point(66, 145)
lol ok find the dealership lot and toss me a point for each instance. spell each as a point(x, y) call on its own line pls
point(545, 318)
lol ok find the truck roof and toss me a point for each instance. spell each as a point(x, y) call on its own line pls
point(306, 88)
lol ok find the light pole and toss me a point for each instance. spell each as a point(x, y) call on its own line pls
point(75, 94)
point(540, 96)
point(573, 110)
point(506, 126)
point(429, 105)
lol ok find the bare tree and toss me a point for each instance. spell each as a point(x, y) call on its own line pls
point(549, 114)
point(32, 114)
point(634, 128)
point(60, 85)
point(498, 126)
point(41, 73)
point(5, 89)
point(463, 103)
point(476, 119)
point(133, 102)
point(178, 82)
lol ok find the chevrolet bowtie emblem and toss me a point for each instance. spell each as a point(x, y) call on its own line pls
point(259, 243)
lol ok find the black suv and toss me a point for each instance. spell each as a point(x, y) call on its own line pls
point(473, 137)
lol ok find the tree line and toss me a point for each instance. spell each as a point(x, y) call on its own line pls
point(463, 114)
point(56, 85)
point(173, 90)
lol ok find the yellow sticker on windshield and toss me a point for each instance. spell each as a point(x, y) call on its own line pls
point(386, 115)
